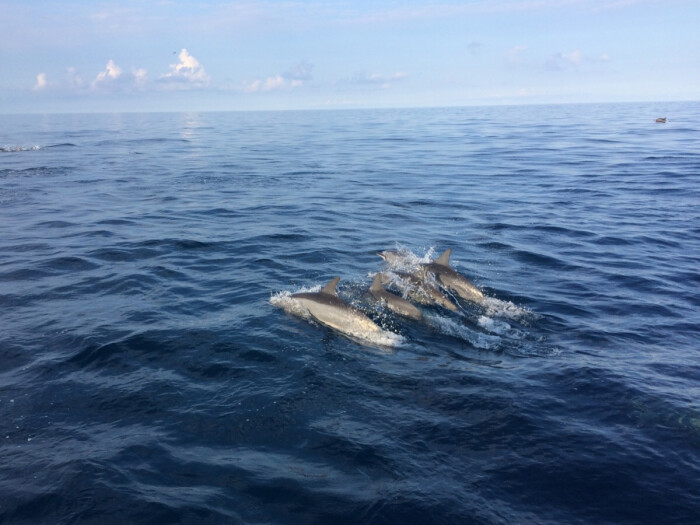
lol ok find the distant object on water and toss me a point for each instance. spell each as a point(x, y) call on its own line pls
point(661, 120)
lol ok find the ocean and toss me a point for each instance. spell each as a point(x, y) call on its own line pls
point(154, 369)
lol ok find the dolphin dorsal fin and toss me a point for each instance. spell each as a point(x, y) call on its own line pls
point(331, 287)
point(376, 284)
point(444, 259)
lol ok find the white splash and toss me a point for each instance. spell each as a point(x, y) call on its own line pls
point(13, 149)
point(452, 327)
point(407, 261)
point(496, 308)
point(494, 325)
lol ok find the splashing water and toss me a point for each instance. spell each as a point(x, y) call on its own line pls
point(498, 308)
point(15, 149)
point(452, 327)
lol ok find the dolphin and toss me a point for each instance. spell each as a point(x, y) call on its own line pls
point(420, 289)
point(390, 257)
point(330, 310)
point(394, 302)
point(453, 280)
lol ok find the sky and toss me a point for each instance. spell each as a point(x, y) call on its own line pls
point(147, 55)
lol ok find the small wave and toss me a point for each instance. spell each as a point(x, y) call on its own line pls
point(382, 340)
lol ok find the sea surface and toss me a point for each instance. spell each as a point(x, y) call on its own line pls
point(154, 370)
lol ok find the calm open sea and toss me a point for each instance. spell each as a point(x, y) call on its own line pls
point(151, 370)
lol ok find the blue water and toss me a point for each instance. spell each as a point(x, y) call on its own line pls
point(151, 370)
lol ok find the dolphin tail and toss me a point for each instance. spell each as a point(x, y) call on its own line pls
point(331, 287)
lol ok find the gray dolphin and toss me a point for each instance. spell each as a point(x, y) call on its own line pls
point(330, 310)
point(395, 303)
point(423, 290)
point(453, 280)
point(390, 257)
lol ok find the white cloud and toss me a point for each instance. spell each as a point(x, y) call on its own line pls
point(562, 61)
point(252, 87)
point(111, 73)
point(573, 58)
point(383, 81)
point(514, 53)
point(140, 78)
point(297, 76)
point(111, 79)
point(40, 82)
point(300, 71)
point(75, 81)
point(186, 73)
point(275, 82)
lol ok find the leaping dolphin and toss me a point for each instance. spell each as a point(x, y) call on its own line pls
point(453, 280)
point(395, 303)
point(330, 310)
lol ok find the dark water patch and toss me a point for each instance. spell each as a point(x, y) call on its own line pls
point(220, 212)
point(27, 247)
point(126, 252)
point(611, 240)
point(68, 264)
point(104, 234)
point(24, 274)
point(176, 245)
point(543, 261)
point(134, 352)
point(38, 171)
point(12, 357)
point(117, 222)
point(56, 224)
point(129, 284)
point(141, 141)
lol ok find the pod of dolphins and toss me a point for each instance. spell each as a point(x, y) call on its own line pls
point(330, 310)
